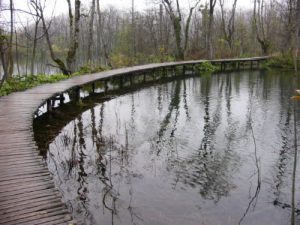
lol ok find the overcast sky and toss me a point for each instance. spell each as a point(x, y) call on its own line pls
point(60, 6)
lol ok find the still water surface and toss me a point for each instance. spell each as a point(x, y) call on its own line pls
point(207, 150)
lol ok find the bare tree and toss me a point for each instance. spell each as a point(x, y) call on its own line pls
point(297, 35)
point(212, 4)
point(99, 32)
point(133, 29)
point(35, 38)
point(74, 30)
point(91, 32)
point(10, 66)
point(228, 30)
point(260, 25)
point(4, 45)
point(67, 68)
point(176, 18)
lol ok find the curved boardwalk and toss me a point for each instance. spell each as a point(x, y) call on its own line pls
point(27, 192)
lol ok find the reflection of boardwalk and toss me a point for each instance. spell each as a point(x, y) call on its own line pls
point(27, 193)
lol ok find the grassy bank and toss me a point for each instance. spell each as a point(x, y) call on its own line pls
point(21, 83)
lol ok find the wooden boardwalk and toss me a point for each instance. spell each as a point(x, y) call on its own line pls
point(27, 192)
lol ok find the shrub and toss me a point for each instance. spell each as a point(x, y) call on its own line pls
point(205, 67)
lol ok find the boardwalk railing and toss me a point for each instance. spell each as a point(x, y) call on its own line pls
point(27, 192)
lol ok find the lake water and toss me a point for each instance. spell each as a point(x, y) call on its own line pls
point(205, 150)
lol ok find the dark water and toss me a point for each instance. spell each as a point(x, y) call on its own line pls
point(201, 151)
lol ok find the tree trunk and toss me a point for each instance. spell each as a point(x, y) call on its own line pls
point(212, 4)
point(177, 31)
point(74, 38)
point(99, 39)
point(297, 35)
point(91, 32)
point(34, 47)
point(10, 68)
point(59, 62)
point(17, 52)
point(3, 55)
point(133, 29)
point(187, 27)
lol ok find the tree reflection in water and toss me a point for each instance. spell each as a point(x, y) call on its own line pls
point(204, 150)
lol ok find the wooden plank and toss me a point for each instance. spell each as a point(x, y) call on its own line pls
point(48, 219)
point(31, 195)
point(31, 209)
point(35, 219)
point(29, 215)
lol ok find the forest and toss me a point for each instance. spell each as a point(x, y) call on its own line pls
point(90, 38)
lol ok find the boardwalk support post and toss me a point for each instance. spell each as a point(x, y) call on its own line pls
point(77, 93)
point(93, 87)
point(120, 82)
point(105, 86)
point(49, 105)
point(61, 99)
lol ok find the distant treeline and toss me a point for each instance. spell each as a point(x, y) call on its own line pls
point(88, 36)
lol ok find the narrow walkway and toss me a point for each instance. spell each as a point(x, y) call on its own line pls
point(27, 192)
